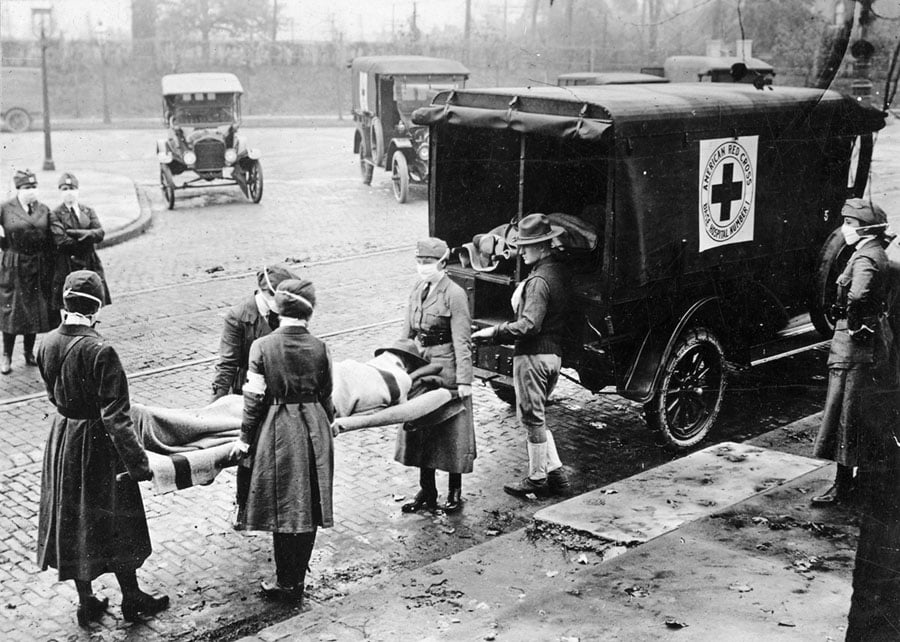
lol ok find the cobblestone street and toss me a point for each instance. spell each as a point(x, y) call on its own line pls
point(170, 289)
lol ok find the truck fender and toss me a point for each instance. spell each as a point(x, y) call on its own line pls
point(163, 154)
point(399, 144)
point(656, 348)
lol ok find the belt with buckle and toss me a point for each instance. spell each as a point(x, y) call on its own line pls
point(434, 339)
point(304, 397)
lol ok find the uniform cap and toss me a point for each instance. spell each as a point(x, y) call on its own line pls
point(68, 180)
point(536, 228)
point(407, 349)
point(24, 178)
point(432, 247)
point(295, 298)
point(84, 284)
point(864, 211)
point(271, 276)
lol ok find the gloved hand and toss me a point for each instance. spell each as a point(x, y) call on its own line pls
point(78, 235)
point(464, 390)
point(336, 427)
point(239, 449)
point(484, 335)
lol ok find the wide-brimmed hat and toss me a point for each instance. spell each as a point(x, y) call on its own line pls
point(536, 228)
point(432, 247)
point(271, 276)
point(295, 298)
point(407, 349)
point(866, 212)
point(24, 178)
point(84, 284)
point(67, 180)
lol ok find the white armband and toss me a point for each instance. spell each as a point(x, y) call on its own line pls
point(256, 384)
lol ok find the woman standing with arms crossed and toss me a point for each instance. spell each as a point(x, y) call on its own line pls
point(287, 430)
point(439, 320)
point(26, 269)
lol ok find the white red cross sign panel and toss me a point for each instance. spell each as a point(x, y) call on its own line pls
point(727, 191)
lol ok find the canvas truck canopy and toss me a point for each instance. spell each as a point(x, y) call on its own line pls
point(373, 78)
point(711, 68)
point(663, 171)
point(175, 84)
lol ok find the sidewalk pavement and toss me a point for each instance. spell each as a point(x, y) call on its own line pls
point(719, 545)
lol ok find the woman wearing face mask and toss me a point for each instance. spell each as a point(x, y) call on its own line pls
point(76, 230)
point(26, 269)
point(91, 518)
point(858, 359)
point(438, 319)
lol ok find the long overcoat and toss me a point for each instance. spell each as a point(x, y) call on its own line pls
point(89, 523)
point(26, 269)
point(450, 445)
point(72, 253)
point(289, 430)
point(858, 372)
point(242, 326)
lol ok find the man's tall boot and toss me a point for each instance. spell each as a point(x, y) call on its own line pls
point(557, 479)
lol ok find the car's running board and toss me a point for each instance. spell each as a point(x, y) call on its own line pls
point(797, 340)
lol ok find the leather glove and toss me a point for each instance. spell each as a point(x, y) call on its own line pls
point(464, 390)
point(485, 335)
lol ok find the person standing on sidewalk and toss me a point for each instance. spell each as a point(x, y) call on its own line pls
point(76, 230)
point(91, 519)
point(438, 319)
point(250, 319)
point(858, 359)
point(26, 268)
point(541, 302)
point(287, 430)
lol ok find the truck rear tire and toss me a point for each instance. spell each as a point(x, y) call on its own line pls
point(833, 259)
point(692, 384)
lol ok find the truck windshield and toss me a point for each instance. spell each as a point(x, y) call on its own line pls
point(412, 95)
point(202, 108)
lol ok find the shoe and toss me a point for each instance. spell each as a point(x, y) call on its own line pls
point(558, 481)
point(528, 486)
point(829, 498)
point(91, 610)
point(278, 593)
point(30, 360)
point(421, 502)
point(454, 501)
point(144, 605)
point(5, 364)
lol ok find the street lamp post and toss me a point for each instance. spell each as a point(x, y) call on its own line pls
point(41, 24)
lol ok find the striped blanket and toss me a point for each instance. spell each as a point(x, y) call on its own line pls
point(187, 447)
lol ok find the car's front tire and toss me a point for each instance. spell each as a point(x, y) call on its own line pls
point(400, 177)
point(168, 189)
point(255, 182)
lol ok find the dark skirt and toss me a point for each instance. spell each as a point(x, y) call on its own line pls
point(447, 446)
point(89, 523)
point(25, 293)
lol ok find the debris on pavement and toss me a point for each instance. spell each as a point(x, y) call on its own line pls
point(740, 588)
point(637, 591)
point(672, 623)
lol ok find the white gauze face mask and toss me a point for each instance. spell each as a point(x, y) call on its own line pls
point(851, 234)
point(70, 196)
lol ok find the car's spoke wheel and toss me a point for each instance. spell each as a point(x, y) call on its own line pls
point(168, 190)
point(400, 177)
point(832, 259)
point(692, 384)
point(366, 168)
point(17, 120)
point(255, 182)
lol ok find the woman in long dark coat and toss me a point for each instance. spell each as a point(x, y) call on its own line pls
point(858, 370)
point(91, 522)
point(439, 320)
point(287, 430)
point(26, 269)
point(76, 230)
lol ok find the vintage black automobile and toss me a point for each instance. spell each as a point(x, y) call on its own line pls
point(386, 90)
point(202, 112)
point(701, 224)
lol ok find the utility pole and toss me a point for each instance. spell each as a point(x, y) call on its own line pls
point(467, 29)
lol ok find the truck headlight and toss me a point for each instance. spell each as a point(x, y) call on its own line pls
point(422, 152)
point(230, 156)
point(190, 158)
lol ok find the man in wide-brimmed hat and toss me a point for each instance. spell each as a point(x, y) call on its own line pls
point(541, 302)
point(251, 318)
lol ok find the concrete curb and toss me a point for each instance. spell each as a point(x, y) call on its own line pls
point(134, 228)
